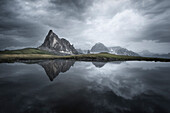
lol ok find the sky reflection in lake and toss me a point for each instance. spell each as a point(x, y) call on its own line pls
point(95, 87)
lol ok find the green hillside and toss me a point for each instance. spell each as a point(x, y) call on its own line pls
point(35, 54)
point(25, 51)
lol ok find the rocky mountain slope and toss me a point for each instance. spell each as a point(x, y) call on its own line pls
point(56, 45)
point(122, 51)
point(99, 47)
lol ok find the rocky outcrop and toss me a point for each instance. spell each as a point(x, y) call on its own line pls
point(54, 44)
point(99, 47)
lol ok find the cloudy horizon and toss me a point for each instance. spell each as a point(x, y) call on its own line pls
point(133, 24)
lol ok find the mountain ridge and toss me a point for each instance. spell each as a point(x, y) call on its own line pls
point(99, 47)
point(53, 43)
point(147, 53)
point(122, 51)
point(117, 50)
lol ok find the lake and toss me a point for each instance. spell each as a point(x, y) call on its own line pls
point(66, 86)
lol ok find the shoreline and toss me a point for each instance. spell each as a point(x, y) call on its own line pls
point(101, 57)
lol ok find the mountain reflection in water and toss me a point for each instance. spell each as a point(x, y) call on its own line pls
point(99, 64)
point(54, 67)
point(81, 87)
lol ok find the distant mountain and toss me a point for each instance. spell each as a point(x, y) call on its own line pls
point(165, 55)
point(54, 44)
point(99, 47)
point(81, 51)
point(121, 51)
point(147, 53)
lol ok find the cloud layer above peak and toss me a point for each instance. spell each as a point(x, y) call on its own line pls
point(134, 24)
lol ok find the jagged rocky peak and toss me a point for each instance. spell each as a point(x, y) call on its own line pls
point(54, 44)
point(99, 47)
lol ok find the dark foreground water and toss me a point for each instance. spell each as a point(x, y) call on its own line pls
point(61, 86)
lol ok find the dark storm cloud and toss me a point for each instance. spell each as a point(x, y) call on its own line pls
point(16, 27)
point(26, 22)
point(72, 8)
point(158, 32)
point(69, 11)
point(77, 5)
point(14, 31)
point(158, 12)
point(153, 7)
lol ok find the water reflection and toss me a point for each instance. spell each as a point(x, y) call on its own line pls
point(54, 67)
point(132, 87)
point(99, 64)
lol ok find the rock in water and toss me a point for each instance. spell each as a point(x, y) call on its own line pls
point(99, 47)
point(54, 44)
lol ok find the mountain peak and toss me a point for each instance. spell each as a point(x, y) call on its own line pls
point(54, 44)
point(50, 32)
point(99, 47)
point(99, 43)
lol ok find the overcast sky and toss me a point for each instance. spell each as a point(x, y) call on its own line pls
point(134, 24)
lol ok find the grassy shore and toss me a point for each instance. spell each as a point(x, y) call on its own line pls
point(25, 51)
point(84, 57)
point(37, 54)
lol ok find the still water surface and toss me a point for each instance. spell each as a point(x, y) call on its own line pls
point(64, 86)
